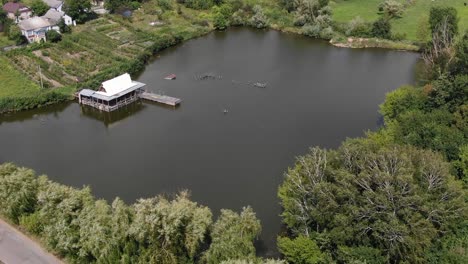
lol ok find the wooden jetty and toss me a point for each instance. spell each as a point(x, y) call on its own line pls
point(162, 99)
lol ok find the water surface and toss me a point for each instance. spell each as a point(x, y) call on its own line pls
point(317, 94)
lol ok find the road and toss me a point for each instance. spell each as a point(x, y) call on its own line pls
point(17, 248)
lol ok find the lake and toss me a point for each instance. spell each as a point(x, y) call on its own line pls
point(229, 142)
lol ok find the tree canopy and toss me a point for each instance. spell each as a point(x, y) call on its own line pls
point(390, 198)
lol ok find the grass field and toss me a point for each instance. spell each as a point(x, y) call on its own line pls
point(14, 83)
point(4, 41)
point(345, 10)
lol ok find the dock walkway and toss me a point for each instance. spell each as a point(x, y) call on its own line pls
point(163, 99)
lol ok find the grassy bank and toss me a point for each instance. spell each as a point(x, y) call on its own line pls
point(408, 24)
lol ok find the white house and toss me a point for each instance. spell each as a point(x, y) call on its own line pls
point(35, 28)
point(54, 16)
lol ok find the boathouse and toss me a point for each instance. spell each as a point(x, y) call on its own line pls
point(112, 94)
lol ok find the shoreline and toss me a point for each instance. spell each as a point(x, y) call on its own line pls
point(53, 96)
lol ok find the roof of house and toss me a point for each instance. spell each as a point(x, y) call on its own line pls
point(11, 7)
point(53, 3)
point(34, 23)
point(53, 15)
point(117, 85)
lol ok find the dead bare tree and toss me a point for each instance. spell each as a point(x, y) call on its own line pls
point(440, 53)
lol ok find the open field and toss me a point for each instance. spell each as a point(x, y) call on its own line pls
point(14, 83)
point(345, 10)
point(4, 41)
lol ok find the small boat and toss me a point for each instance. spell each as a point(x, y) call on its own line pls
point(170, 77)
point(260, 85)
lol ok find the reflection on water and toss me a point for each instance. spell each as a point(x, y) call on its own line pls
point(110, 118)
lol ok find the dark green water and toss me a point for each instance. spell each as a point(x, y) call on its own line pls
point(317, 95)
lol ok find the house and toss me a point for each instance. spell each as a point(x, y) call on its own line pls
point(35, 28)
point(54, 16)
point(17, 11)
point(54, 4)
point(112, 94)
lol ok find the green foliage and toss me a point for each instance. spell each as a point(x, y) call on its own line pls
point(392, 198)
point(382, 29)
point(53, 36)
point(449, 93)
point(198, 4)
point(300, 250)
point(166, 4)
point(364, 255)
point(157, 230)
point(39, 7)
point(79, 10)
point(14, 33)
point(460, 64)
point(64, 28)
point(391, 8)
point(221, 16)
point(439, 16)
point(259, 19)
point(357, 27)
point(232, 236)
point(401, 100)
point(432, 130)
point(18, 190)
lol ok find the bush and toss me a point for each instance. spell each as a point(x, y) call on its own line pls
point(165, 4)
point(53, 36)
point(381, 29)
point(39, 7)
point(391, 8)
point(357, 27)
point(259, 19)
point(299, 20)
point(311, 30)
point(327, 33)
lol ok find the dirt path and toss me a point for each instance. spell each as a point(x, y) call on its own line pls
point(17, 248)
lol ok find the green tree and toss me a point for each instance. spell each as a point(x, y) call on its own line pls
point(18, 189)
point(172, 231)
point(219, 21)
point(382, 29)
point(391, 8)
point(259, 19)
point(401, 100)
point(232, 236)
point(39, 7)
point(64, 28)
point(460, 64)
point(53, 36)
point(79, 10)
point(394, 198)
point(300, 250)
point(14, 33)
point(444, 18)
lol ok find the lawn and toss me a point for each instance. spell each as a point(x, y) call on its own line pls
point(4, 41)
point(14, 83)
point(345, 10)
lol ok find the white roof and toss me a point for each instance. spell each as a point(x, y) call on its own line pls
point(33, 23)
point(53, 3)
point(54, 15)
point(117, 85)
